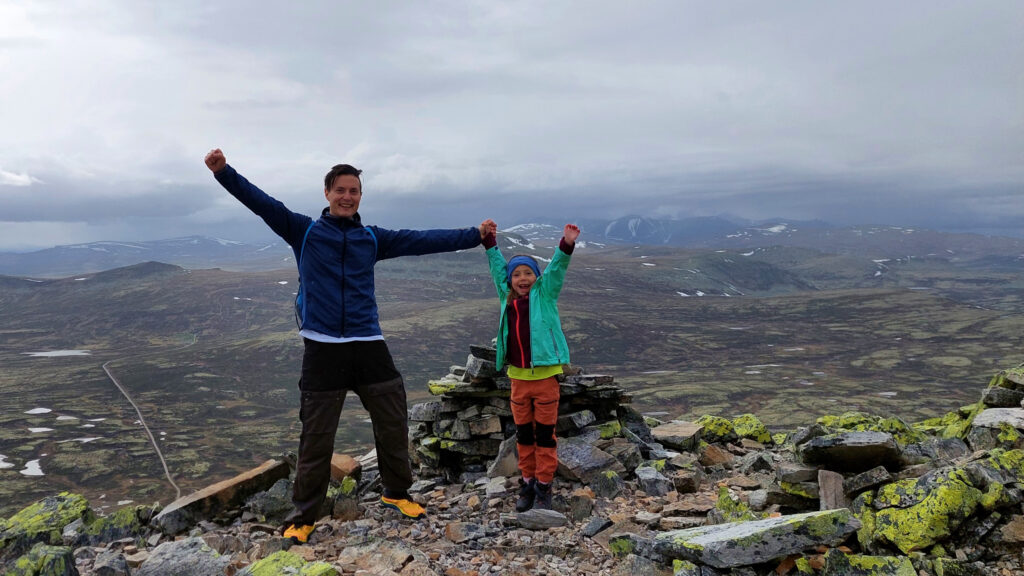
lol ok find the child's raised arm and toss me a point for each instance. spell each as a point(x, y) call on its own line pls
point(571, 232)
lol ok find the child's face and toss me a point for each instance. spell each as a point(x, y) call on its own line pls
point(522, 279)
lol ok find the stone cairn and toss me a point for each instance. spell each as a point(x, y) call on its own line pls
point(467, 432)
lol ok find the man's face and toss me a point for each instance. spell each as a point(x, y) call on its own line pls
point(344, 196)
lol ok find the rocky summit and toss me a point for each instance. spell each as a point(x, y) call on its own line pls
point(852, 494)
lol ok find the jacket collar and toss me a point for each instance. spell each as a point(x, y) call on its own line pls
point(355, 220)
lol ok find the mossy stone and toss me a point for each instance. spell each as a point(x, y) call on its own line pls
point(43, 521)
point(749, 426)
point(935, 515)
point(717, 429)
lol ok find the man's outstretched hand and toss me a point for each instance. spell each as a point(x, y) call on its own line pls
point(571, 232)
point(488, 227)
point(215, 160)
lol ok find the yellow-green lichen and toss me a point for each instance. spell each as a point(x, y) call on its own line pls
point(803, 566)
point(948, 501)
point(621, 546)
point(610, 474)
point(716, 429)
point(439, 387)
point(797, 489)
point(611, 429)
point(749, 426)
point(779, 438)
point(1008, 436)
point(49, 516)
point(882, 565)
point(678, 565)
point(349, 485)
point(276, 564)
point(732, 508)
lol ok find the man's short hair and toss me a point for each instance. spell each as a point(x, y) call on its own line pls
point(342, 170)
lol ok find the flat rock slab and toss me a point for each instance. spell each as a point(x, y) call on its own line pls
point(186, 511)
point(580, 460)
point(343, 466)
point(541, 519)
point(749, 543)
point(678, 435)
point(993, 417)
point(852, 451)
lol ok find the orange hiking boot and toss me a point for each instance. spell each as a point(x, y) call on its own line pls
point(299, 533)
point(405, 506)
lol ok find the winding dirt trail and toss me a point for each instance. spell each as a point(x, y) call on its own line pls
point(142, 420)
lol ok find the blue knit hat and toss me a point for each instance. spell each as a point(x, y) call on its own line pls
point(521, 260)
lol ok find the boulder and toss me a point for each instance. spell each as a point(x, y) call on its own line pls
point(206, 503)
point(852, 451)
point(580, 460)
point(188, 557)
point(678, 435)
point(43, 521)
point(748, 543)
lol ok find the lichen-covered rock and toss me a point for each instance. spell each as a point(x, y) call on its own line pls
point(839, 564)
point(284, 562)
point(717, 429)
point(749, 543)
point(190, 556)
point(42, 521)
point(126, 522)
point(749, 426)
point(729, 508)
point(45, 560)
point(918, 513)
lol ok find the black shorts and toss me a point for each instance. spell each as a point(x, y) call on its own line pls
point(345, 366)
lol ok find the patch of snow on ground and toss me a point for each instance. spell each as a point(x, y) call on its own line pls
point(87, 426)
point(5, 464)
point(67, 418)
point(84, 440)
point(32, 468)
point(37, 430)
point(38, 411)
point(96, 419)
point(683, 294)
point(752, 372)
point(751, 253)
point(806, 382)
point(888, 394)
point(792, 349)
point(818, 373)
point(57, 353)
point(699, 293)
point(80, 279)
point(648, 264)
point(283, 282)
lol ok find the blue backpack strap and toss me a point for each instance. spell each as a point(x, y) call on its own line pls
point(299, 304)
point(374, 236)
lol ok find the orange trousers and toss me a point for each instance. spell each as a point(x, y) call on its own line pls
point(535, 412)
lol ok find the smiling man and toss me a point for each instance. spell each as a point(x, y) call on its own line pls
point(344, 347)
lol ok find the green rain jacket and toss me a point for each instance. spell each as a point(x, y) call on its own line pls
point(548, 346)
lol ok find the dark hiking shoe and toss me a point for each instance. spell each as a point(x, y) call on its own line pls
point(543, 496)
point(526, 495)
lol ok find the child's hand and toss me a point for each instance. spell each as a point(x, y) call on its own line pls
point(488, 227)
point(571, 232)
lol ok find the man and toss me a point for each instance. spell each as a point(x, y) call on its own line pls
point(344, 347)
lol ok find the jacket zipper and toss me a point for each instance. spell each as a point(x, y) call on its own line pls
point(519, 336)
point(344, 251)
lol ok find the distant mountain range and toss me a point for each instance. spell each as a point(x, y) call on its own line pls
point(879, 242)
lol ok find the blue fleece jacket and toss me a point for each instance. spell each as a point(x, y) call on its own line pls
point(337, 258)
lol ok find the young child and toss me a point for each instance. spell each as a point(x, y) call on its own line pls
point(531, 342)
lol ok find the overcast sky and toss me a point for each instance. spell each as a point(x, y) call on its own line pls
point(853, 112)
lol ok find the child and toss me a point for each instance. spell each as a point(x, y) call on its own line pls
point(531, 342)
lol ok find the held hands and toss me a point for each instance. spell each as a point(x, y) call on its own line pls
point(215, 160)
point(488, 227)
point(571, 232)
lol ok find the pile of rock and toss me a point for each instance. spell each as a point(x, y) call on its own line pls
point(468, 430)
point(852, 494)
